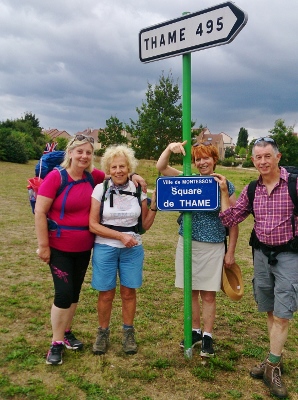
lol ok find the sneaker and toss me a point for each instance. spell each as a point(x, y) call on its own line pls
point(102, 341)
point(71, 342)
point(129, 342)
point(257, 372)
point(196, 339)
point(272, 378)
point(54, 355)
point(207, 347)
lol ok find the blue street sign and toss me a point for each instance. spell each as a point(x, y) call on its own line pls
point(187, 193)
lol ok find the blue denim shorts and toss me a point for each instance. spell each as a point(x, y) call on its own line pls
point(276, 287)
point(108, 262)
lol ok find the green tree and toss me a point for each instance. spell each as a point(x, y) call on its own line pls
point(112, 134)
point(286, 141)
point(14, 149)
point(242, 140)
point(159, 119)
point(62, 143)
point(229, 152)
point(242, 152)
point(27, 131)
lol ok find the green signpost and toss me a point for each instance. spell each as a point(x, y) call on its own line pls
point(211, 27)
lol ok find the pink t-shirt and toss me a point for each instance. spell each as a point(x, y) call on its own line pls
point(76, 212)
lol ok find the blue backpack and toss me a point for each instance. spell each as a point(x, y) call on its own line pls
point(46, 164)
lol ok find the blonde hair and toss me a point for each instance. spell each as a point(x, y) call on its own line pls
point(116, 151)
point(72, 144)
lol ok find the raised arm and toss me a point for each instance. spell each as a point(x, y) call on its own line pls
point(163, 162)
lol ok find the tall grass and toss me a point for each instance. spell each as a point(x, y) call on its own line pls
point(159, 370)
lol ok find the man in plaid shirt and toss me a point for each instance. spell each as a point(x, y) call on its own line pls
point(275, 281)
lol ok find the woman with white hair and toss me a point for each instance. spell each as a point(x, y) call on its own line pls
point(118, 250)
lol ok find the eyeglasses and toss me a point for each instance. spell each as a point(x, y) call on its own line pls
point(202, 144)
point(83, 137)
point(266, 139)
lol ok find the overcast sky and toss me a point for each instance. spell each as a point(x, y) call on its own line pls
point(75, 63)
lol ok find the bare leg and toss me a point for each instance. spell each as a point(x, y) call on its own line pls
point(72, 312)
point(196, 318)
point(60, 318)
point(104, 307)
point(208, 309)
point(129, 304)
point(278, 335)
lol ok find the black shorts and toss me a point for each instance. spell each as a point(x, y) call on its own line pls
point(68, 272)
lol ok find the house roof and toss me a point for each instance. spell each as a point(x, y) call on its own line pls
point(55, 133)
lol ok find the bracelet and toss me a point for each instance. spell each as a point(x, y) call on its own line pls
point(131, 175)
point(153, 209)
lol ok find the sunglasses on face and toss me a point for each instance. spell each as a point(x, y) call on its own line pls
point(266, 139)
point(83, 137)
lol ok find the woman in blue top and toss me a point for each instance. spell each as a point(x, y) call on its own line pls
point(208, 247)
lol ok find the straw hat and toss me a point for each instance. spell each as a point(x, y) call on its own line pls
point(232, 283)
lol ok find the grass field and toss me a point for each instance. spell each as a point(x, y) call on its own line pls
point(159, 371)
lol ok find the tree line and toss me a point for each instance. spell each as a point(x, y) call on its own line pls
point(159, 122)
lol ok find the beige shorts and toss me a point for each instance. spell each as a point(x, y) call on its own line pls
point(207, 262)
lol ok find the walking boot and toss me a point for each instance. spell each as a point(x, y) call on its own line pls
point(257, 372)
point(272, 378)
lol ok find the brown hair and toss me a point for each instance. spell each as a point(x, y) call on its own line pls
point(204, 150)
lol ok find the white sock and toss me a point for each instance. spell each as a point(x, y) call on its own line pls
point(207, 334)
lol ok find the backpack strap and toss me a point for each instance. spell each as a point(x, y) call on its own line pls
point(292, 188)
point(105, 188)
point(251, 190)
point(66, 184)
point(137, 194)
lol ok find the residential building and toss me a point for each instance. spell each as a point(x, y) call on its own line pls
point(55, 133)
point(205, 136)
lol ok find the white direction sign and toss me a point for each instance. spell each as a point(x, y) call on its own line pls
point(211, 27)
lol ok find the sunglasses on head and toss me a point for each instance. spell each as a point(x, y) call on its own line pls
point(202, 144)
point(266, 139)
point(83, 137)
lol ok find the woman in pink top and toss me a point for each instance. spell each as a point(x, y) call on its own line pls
point(64, 239)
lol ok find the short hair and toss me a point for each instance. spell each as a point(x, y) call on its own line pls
point(205, 150)
point(115, 151)
point(72, 144)
point(263, 142)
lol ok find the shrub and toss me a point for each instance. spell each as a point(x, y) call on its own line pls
point(247, 163)
point(15, 150)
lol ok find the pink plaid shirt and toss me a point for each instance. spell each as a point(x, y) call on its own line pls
point(273, 212)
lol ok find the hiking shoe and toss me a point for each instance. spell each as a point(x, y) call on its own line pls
point(129, 342)
point(102, 341)
point(71, 342)
point(207, 347)
point(54, 355)
point(272, 378)
point(196, 339)
point(257, 372)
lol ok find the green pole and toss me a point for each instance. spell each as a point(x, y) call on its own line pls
point(187, 220)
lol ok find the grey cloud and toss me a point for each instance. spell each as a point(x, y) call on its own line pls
point(74, 64)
